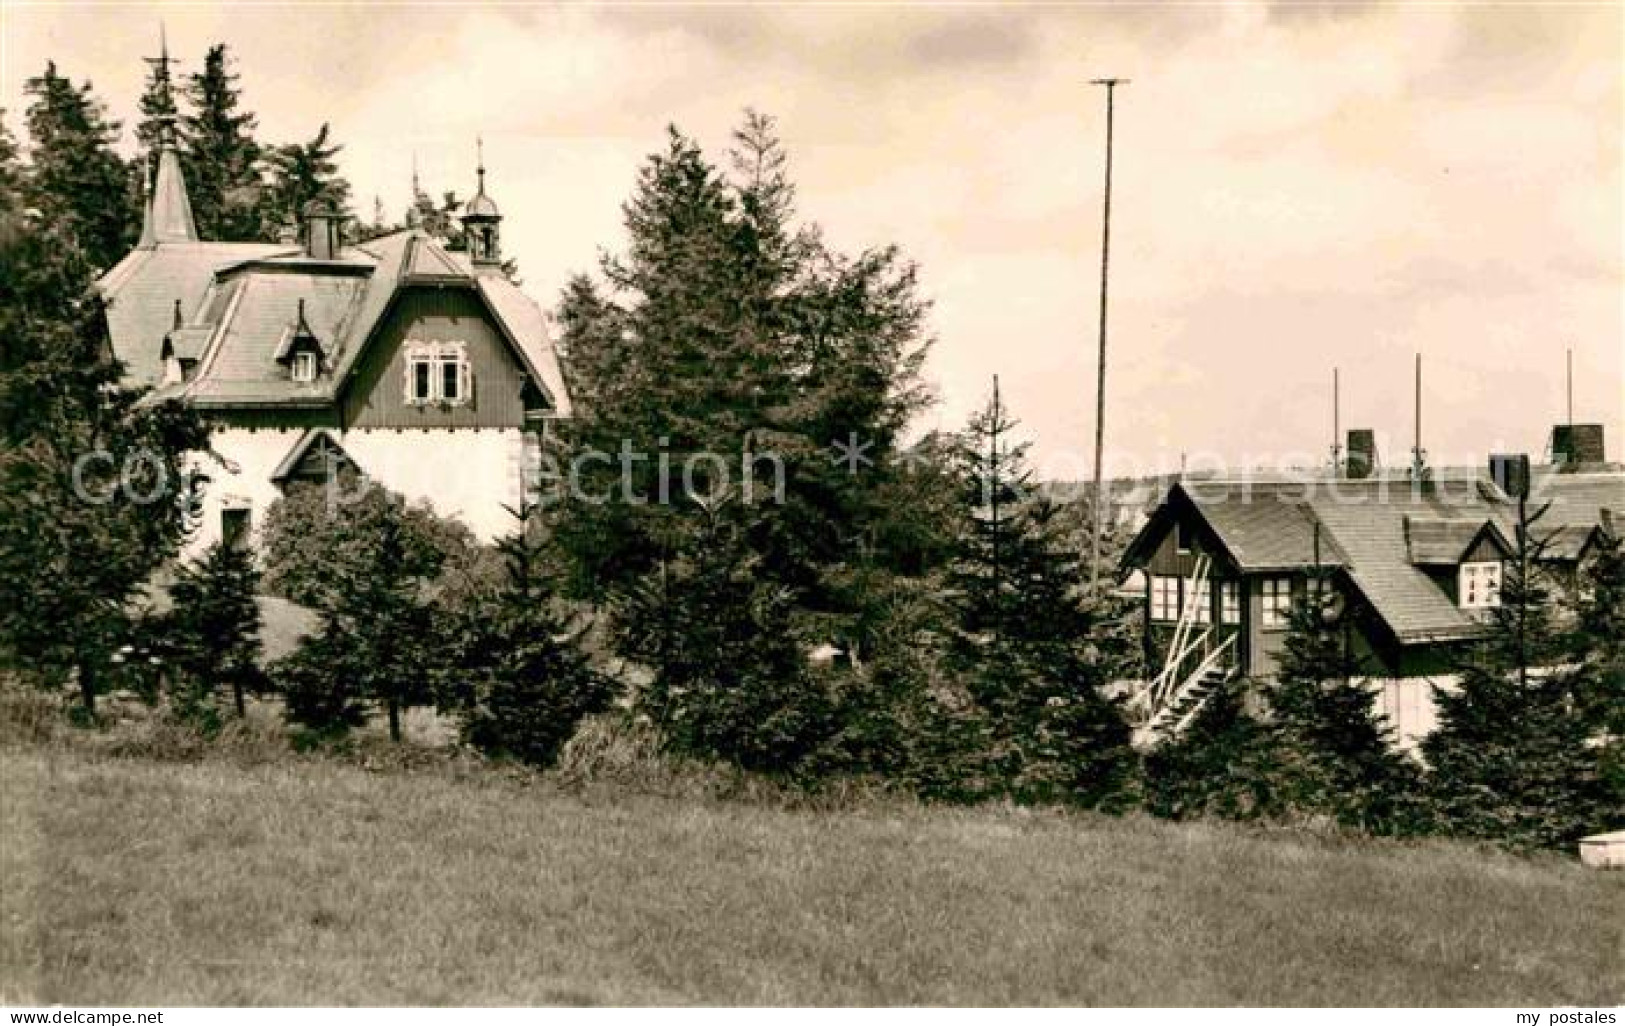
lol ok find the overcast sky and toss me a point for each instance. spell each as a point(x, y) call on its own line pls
point(1297, 188)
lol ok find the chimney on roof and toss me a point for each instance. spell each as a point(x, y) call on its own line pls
point(321, 230)
point(1577, 444)
point(1511, 475)
point(1362, 453)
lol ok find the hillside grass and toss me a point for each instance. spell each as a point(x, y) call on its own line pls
point(131, 881)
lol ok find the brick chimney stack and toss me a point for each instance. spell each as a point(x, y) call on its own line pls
point(1361, 461)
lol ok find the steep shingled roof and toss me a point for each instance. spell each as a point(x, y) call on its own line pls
point(243, 299)
point(1378, 530)
point(140, 292)
point(1263, 525)
point(1444, 541)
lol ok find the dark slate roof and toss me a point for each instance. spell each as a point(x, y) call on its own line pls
point(1263, 525)
point(141, 290)
point(1382, 531)
point(1577, 499)
point(1443, 541)
point(1370, 528)
point(1567, 543)
point(244, 301)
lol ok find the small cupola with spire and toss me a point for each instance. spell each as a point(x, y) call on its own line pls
point(482, 222)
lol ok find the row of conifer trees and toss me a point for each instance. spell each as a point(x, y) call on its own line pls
point(977, 649)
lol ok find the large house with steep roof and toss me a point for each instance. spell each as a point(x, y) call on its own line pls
point(1415, 562)
point(428, 371)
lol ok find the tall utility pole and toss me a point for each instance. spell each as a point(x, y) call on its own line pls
point(1111, 85)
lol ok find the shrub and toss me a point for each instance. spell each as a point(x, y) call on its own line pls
point(528, 681)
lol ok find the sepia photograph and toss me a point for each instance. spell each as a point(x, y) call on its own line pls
point(932, 507)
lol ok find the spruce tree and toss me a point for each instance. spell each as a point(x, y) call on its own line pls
point(730, 682)
point(92, 488)
point(1024, 632)
point(1511, 759)
point(159, 112)
point(299, 174)
point(212, 629)
point(727, 332)
point(76, 178)
point(380, 639)
point(1336, 755)
point(527, 682)
point(1600, 635)
point(1226, 763)
point(221, 156)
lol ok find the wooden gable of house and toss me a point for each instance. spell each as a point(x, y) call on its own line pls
point(500, 392)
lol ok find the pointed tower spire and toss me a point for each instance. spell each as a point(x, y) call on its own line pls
point(482, 222)
point(168, 213)
point(146, 241)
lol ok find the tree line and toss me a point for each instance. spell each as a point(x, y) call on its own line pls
point(241, 187)
point(965, 653)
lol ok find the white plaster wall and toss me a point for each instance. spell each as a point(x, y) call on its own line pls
point(1407, 703)
point(255, 455)
point(467, 474)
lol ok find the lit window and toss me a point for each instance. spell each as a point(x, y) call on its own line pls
point(1277, 601)
point(304, 367)
point(1203, 598)
point(1230, 601)
point(1479, 585)
point(437, 372)
point(1165, 598)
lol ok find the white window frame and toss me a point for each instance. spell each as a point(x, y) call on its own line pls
point(1230, 602)
point(435, 359)
point(304, 367)
point(1164, 598)
point(1276, 604)
point(1478, 584)
point(1203, 597)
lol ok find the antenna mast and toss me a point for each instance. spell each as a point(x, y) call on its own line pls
point(1418, 455)
point(1111, 85)
point(1569, 418)
point(1337, 427)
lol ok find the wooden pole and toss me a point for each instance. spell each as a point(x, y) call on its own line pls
point(1111, 85)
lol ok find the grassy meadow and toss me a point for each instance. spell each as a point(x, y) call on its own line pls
point(134, 881)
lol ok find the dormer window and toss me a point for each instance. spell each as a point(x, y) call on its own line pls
point(300, 350)
point(1479, 585)
point(438, 372)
